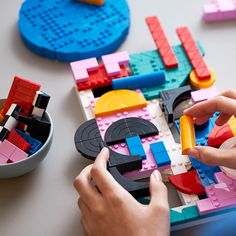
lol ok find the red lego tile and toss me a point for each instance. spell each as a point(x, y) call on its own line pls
point(188, 183)
point(18, 141)
point(99, 78)
point(219, 134)
point(22, 93)
point(193, 53)
point(161, 42)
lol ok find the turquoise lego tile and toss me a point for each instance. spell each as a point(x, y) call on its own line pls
point(191, 213)
point(176, 217)
point(150, 61)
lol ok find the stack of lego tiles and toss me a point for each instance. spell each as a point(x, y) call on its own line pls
point(23, 125)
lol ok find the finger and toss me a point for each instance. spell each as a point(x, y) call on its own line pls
point(85, 211)
point(229, 93)
point(208, 108)
point(222, 119)
point(214, 156)
point(101, 176)
point(85, 187)
point(158, 190)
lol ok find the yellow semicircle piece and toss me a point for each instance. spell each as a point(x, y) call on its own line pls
point(118, 101)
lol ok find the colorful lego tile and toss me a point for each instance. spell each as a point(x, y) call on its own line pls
point(150, 61)
point(18, 141)
point(182, 214)
point(35, 144)
point(22, 93)
point(206, 173)
point(218, 10)
point(140, 81)
point(84, 98)
point(72, 30)
point(187, 133)
point(112, 62)
point(204, 83)
point(219, 134)
point(188, 183)
point(160, 154)
point(176, 217)
point(10, 152)
point(81, 68)
point(161, 42)
point(193, 53)
point(201, 135)
point(204, 94)
point(219, 197)
point(118, 101)
point(135, 147)
point(99, 78)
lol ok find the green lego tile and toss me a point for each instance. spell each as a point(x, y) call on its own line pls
point(191, 213)
point(150, 61)
point(176, 217)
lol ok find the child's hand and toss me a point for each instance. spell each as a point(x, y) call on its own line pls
point(111, 210)
point(226, 105)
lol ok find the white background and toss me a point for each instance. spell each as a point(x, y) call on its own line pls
point(44, 201)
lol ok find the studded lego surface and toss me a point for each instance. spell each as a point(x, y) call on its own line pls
point(71, 30)
point(201, 188)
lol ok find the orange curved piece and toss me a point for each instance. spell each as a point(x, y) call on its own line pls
point(118, 101)
point(187, 133)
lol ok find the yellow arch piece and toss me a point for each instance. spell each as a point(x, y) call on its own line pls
point(118, 101)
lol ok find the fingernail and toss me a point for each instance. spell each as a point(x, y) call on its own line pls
point(193, 152)
point(104, 149)
point(157, 175)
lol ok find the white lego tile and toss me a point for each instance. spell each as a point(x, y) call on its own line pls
point(84, 98)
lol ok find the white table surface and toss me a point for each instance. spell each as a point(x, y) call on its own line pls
point(44, 201)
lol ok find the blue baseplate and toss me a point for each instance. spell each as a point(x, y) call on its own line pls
point(69, 30)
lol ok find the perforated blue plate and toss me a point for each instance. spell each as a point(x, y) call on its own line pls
point(68, 30)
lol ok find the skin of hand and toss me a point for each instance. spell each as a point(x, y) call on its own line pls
point(108, 209)
point(225, 103)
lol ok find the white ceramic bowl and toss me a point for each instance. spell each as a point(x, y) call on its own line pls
point(24, 166)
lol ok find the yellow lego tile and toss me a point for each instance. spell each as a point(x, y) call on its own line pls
point(118, 101)
point(204, 83)
point(232, 124)
point(187, 134)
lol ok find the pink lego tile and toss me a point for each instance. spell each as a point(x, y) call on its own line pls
point(204, 94)
point(219, 10)
point(81, 68)
point(113, 61)
point(10, 152)
point(220, 196)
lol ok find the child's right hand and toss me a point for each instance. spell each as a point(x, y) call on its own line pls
point(201, 112)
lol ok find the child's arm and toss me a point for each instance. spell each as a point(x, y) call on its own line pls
point(111, 210)
point(226, 105)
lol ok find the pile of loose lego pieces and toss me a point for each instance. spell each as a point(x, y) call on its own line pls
point(24, 126)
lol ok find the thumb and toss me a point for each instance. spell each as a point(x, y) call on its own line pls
point(158, 190)
point(213, 156)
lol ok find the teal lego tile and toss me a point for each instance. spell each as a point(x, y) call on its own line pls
point(176, 217)
point(191, 213)
point(150, 61)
